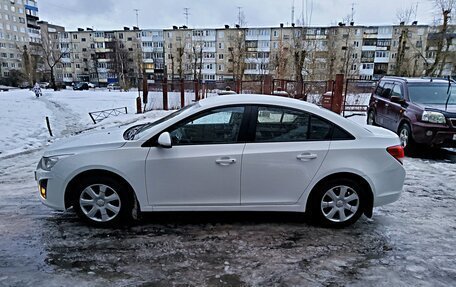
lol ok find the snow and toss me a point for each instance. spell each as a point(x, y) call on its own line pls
point(23, 114)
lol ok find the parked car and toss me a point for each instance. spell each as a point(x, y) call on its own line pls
point(44, 85)
point(419, 110)
point(227, 153)
point(91, 85)
point(81, 86)
point(113, 86)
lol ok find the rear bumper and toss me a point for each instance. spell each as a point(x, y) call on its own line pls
point(432, 134)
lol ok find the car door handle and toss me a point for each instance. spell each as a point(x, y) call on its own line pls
point(387, 105)
point(225, 161)
point(306, 156)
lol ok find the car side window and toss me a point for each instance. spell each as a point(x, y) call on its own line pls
point(379, 90)
point(397, 91)
point(387, 88)
point(217, 126)
point(281, 125)
point(320, 130)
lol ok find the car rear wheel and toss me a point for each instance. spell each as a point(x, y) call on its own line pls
point(371, 118)
point(103, 201)
point(336, 203)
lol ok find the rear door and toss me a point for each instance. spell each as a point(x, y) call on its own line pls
point(286, 150)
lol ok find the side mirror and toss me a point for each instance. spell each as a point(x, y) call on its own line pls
point(164, 140)
point(398, 100)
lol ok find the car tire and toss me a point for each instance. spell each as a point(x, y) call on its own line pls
point(104, 201)
point(336, 203)
point(405, 135)
point(371, 118)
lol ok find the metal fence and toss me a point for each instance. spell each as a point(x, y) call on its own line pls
point(357, 94)
point(98, 116)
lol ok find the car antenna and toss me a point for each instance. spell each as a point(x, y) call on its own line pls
point(449, 94)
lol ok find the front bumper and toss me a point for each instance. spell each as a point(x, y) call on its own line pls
point(434, 134)
point(54, 189)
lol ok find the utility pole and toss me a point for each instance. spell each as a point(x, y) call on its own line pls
point(137, 17)
point(239, 15)
point(353, 12)
point(292, 12)
point(186, 13)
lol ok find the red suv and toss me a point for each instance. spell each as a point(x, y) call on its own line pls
point(419, 110)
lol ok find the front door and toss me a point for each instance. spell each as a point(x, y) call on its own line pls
point(203, 166)
point(395, 110)
point(382, 104)
point(288, 149)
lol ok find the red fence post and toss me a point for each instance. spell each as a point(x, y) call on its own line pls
point(138, 105)
point(165, 94)
point(267, 85)
point(336, 104)
point(238, 86)
point(195, 82)
point(182, 90)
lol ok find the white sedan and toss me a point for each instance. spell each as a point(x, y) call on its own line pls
point(227, 153)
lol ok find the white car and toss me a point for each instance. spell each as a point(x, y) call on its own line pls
point(227, 153)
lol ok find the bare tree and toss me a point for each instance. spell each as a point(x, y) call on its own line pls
point(29, 70)
point(53, 52)
point(442, 41)
point(121, 62)
point(238, 52)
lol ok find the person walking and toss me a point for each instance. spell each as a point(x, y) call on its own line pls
point(37, 90)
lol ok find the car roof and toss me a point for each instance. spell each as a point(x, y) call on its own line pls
point(416, 80)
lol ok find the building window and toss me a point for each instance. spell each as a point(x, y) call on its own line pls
point(75, 36)
point(220, 56)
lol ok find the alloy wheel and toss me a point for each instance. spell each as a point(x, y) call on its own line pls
point(404, 136)
point(340, 203)
point(100, 202)
point(370, 118)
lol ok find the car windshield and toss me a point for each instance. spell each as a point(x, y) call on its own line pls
point(435, 94)
point(141, 129)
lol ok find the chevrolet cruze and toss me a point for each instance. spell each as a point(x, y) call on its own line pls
point(227, 153)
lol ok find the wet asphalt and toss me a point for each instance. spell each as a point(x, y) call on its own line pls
point(407, 243)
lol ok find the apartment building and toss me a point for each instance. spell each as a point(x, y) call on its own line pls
point(286, 52)
point(153, 50)
point(15, 19)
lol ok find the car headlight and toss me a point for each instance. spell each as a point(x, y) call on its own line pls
point(433, 117)
point(47, 163)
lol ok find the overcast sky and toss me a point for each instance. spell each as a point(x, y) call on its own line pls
point(115, 14)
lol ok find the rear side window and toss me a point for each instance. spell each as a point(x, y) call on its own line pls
point(276, 124)
point(281, 125)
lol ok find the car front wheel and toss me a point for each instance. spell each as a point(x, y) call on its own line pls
point(336, 203)
point(103, 201)
point(405, 135)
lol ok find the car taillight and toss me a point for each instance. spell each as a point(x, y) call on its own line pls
point(397, 152)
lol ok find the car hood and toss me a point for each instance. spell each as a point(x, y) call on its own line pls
point(448, 109)
point(107, 139)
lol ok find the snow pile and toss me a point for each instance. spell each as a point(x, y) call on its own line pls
point(23, 122)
